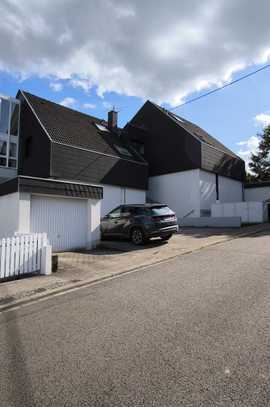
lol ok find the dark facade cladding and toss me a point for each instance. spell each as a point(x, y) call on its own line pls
point(34, 146)
point(87, 166)
point(60, 143)
point(51, 187)
point(173, 144)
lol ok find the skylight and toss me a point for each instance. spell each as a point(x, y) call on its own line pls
point(123, 151)
point(101, 127)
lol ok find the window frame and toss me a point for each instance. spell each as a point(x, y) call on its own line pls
point(10, 138)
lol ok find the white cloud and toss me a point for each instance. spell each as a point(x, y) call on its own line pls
point(84, 84)
point(56, 86)
point(263, 119)
point(107, 105)
point(89, 105)
point(249, 147)
point(150, 49)
point(68, 102)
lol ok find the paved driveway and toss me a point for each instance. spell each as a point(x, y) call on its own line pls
point(190, 332)
point(117, 256)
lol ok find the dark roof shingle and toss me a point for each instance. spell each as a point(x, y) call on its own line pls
point(197, 131)
point(73, 128)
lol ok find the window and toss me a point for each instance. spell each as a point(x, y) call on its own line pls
point(141, 211)
point(12, 150)
point(9, 131)
point(14, 119)
point(161, 211)
point(4, 115)
point(123, 151)
point(138, 147)
point(3, 147)
point(116, 213)
point(101, 127)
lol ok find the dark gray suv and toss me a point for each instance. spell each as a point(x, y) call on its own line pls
point(140, 222)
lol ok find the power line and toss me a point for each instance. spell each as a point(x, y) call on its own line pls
point(222, 87)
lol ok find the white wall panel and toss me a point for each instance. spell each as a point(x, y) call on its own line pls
point(257, 194)
point(207, 189)
point(230, 190)
point(114, 196)
point(249, 212)
point(180, 191)
point(135, 196)
point(9, 214)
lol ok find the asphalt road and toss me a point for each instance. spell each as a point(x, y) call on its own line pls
point(190, 332)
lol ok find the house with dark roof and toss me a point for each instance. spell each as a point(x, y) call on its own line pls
point(188, 169)
point(49, 153)
point(61, 170)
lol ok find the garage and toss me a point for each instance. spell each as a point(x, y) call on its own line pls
point(68, 212)
point(63, 219)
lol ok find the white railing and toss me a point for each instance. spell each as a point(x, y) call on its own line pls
point(23, 254)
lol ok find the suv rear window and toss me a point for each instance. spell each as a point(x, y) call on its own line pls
point(161, 211)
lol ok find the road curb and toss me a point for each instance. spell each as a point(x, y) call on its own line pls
point(74, 286)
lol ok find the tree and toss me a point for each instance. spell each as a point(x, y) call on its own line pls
point(260, 162)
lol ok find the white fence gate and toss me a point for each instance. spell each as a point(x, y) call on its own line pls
point(22, 254)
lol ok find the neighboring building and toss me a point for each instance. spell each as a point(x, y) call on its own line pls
point(188, 169)
point(50, 153)
point(259, 192)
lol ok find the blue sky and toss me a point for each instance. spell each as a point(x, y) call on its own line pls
point(229, 115)
point(188, 48)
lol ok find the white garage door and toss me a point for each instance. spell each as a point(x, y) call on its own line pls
point(63, 219)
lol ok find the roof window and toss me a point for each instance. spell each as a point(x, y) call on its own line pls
point(123, 151)
point(101, 127)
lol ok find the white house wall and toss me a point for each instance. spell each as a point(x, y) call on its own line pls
point(9, 214)
point(230, 190)
point(114, 196)
point(180, 191)
point(207, 190)
point(257, 194)
point(135, 196)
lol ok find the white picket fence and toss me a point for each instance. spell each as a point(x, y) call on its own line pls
point(21, 255)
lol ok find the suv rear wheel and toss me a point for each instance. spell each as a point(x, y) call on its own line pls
point(137, 236)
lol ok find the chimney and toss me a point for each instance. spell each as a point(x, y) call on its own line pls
point(112, 120)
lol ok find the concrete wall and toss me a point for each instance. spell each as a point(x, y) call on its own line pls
point(249, 212)
point(257, 194)
point(114, 196)
point(9, 214)
point(180, 191)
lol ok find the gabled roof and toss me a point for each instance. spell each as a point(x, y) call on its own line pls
point(196, 131)
point(70, 127)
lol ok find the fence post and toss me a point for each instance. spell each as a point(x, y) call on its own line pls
point(46, 261)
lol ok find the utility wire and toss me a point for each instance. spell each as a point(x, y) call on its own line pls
point(222, 87)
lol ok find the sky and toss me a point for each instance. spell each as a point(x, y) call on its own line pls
point(93, 55)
